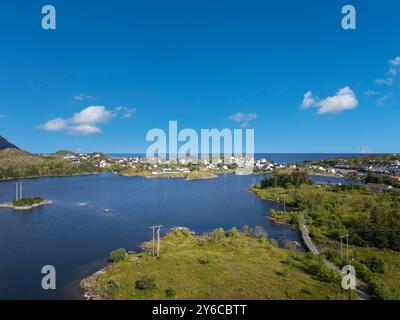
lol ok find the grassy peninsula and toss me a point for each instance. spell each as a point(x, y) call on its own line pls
point(219, 265)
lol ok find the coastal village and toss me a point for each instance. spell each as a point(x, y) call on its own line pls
point(159, 167)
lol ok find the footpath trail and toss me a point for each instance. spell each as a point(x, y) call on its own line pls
point(310, 246)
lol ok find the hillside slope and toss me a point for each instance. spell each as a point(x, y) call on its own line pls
point(4, 144)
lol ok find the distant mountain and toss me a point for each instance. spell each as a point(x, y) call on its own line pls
point(4, 144)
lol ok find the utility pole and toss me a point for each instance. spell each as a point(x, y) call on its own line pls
point(284, 203)
point(347, 252)
point(158, 239)
point(152, 243)
point(18, 191)
point(347, 246)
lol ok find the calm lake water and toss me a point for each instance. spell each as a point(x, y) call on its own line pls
point(75, 234)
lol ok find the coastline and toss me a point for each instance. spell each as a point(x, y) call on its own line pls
point(51, 176)
point(91, 292)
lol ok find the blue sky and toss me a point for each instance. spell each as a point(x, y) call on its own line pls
point(112, 70)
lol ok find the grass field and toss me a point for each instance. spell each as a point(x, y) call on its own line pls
point(222, 265)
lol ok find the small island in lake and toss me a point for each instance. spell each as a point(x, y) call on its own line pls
point(26, 203)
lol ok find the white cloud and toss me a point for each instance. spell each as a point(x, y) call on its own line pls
point(395, 61)
point(385, 98)
point(308, 100)
point(392, 72)
point(365, 149)
point(345, 99)
point(390, 79)
point(394, 69)
point(83, 123)
point(84, 130)
point(369, 93)
point(93, 115)
point(54, 125)
point(126, 113)
point(2, 116)
point(82, 97)
point(387, 81)
point(242, 118)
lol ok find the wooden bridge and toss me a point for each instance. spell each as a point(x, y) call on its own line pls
point(305, 235)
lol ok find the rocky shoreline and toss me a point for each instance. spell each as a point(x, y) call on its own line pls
point(91, 292)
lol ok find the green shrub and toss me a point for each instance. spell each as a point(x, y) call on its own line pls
point(306, 291)
point(112, 287)
point(25, 202)
point(375, 264)
point(117, 255)
point(217, 234)
point(333, 256)
point(259, 232)
point(146, 283)
point(379, 291)
point(170, 292)
point(203, 260)
point(246, 229)
point(284, 180)
point(233, 232)
point(362, 271)
point(322, 273)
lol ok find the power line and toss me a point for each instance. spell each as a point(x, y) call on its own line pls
point(158, 239)
point(341, 246)
point(347, 252)
point(18, 191)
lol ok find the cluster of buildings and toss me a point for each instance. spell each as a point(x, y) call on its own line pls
point(78, 158)
point(160, 165)
point(170, 170)
point(101, 160)
point(393, 168)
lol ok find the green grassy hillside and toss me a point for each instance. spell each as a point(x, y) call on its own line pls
point(221, 265)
